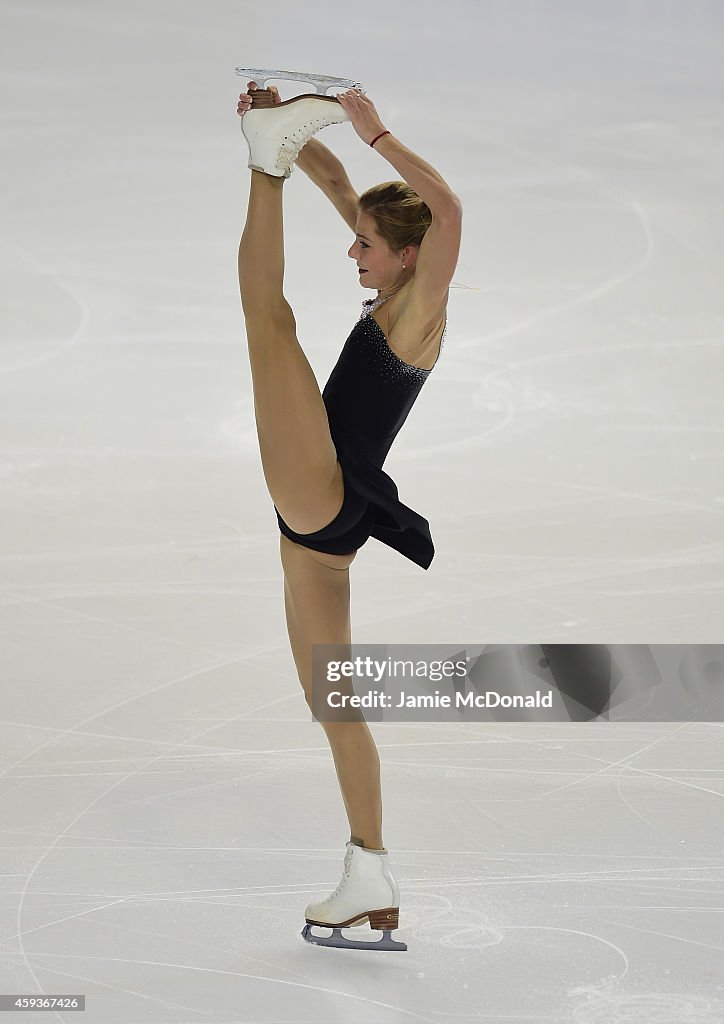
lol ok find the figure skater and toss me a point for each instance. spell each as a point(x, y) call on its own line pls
point(322, 453)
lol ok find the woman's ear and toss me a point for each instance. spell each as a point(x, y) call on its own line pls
point(409, 255)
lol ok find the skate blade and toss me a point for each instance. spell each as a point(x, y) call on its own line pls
point(339, 941)
point(322, 83)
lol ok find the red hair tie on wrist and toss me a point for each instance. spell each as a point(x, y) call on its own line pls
point(379, 137)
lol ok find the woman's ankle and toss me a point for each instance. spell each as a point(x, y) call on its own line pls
point(367, 846)
point(272, 179)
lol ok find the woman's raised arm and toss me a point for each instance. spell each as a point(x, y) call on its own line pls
point(430, 186)
point(328, 173)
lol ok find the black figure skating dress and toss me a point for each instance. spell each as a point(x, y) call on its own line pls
point(368, 397)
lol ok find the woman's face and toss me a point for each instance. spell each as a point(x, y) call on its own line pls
point(381, 267)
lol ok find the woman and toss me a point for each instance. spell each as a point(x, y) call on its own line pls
point(322, 454)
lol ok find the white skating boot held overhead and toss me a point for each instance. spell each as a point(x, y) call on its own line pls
point(276, 132)
point(367, 892)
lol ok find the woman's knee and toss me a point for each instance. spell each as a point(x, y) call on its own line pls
point(268, 316)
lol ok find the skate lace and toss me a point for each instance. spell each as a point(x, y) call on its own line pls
point(294, 142)
point(345, 876)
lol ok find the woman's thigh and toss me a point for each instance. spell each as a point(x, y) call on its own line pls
point(316, 602)
point(298, 455)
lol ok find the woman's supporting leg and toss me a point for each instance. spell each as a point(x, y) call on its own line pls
point(306, 484)
point(297, 452)
point(316, 600)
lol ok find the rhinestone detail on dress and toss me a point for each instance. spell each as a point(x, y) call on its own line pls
point(395, 368)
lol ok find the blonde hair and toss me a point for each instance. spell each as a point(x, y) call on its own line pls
point(400, 216)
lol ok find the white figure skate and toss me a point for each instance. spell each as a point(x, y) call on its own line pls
point(368, 892)
point(276, 132)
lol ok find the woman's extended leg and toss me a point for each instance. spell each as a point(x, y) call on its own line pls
point(316, 600)
point(297, 452)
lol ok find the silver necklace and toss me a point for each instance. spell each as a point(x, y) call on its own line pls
point(373, 304)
